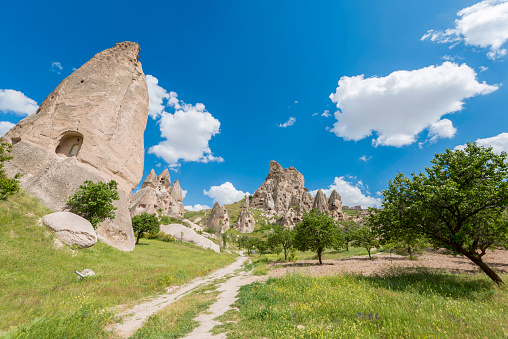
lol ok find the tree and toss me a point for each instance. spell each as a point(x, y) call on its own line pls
point(94, 201)
point(459, 204)
point(316, 232)
point(366, 237)
point(7, 186)
point(281, 236)
point(145, 223)
point(349, 229)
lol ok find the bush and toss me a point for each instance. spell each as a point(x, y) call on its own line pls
point(166, 237)
point(7, 186)
point(145, 223)
point(94, 201)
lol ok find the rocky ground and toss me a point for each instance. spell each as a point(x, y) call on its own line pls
point(363, 265)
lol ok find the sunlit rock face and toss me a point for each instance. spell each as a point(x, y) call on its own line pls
point(89, 128)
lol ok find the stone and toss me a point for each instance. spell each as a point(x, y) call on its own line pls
point(89, 128)
point(85, 273)
point(218, 218)
point(71, 229)
point(335, 206)
point(156, 195)
point(245, 222)
point(182, 233)
point(320, 202)
point(291, 218)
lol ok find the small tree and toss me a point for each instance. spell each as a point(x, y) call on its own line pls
point(349, 229)
point(317, 232)
point(366, 237)
point(94, 201)
point(145, 223)
point(7, 186)
point(281, 236)
point(460, 204)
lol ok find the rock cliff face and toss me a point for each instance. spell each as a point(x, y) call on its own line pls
point(156, 193)
point(283, 193)
point(245, 222)
point(89, 128)
point(218, 218)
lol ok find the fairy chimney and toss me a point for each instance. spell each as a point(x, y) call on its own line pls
point(245, 222)
point(218, 218)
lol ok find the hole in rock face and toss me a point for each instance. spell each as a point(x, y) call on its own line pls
point(70, 144)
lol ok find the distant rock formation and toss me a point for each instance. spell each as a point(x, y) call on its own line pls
point(157, 194)
point(283, 193)
point(245, 222)
point(218, 219)
point(89, 128)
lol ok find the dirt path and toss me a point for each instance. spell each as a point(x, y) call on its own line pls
point(136, 316)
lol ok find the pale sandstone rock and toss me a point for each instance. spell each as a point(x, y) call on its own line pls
point(245, 222)
point(335, 206)
point(157, 195)
point(320, 202)
point(218, 218)
point(89, 128)
point(180, 232)
point(71, 229)
point(291, 218)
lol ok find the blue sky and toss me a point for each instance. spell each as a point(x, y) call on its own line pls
point(347, 92)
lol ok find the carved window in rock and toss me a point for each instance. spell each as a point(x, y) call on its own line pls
point(142, 206)
point(70, 144)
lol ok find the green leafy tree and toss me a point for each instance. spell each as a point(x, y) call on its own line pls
point(94, 201)
point(316, 232)
point(145, 223)
point(349, 229)
point(459, 204)
point(8, 186)
point(281, 236)
point(366, 237)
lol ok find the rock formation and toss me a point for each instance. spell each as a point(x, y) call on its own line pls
point(182, 233)
point(245, 222)
point(89, 128)
point(71, 229)
point(218, 219)
point(283, 193)
point(156, 194)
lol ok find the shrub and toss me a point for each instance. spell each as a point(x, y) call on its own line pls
point(145, 223)
point(7, 186)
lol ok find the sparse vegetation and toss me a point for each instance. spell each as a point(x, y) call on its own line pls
point(94, 201)
point(8, 186)
point(145, 223)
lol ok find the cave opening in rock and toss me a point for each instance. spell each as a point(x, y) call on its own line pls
point(70, 144)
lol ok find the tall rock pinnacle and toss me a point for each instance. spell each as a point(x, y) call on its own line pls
point(89, 128)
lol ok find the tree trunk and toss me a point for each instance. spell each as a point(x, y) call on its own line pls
point(319, 256)
point(368, 251)
point(485, 268)
point(140, 235)
point(285, 254)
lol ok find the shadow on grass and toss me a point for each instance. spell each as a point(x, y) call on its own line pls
point(425, 282)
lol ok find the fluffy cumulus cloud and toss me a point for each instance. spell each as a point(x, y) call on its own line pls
point(225, 193)
point(442, 129)
point(499, 143)
point(197, 207)
point(5, 126)
point(351, 193)
point(187, 131)
point(484, 25)
point(288, 123)
point(15, 102)
point(401, 105)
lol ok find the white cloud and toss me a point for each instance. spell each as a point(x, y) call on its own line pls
point(187, 132)
point(197, 207)
point(448, 58)
point(365, 158)
point(484, 25)
point(499, 143)
point(441, 129)
point(296, 101)
point(350, 193)
point(401, 105)
point(288, 123)
point(184, 193)
point(326, 114)
point(483, 68)
point(225, 193)
point(315, 114)
point(12, 101)
point(56, 67)
point(5, 126)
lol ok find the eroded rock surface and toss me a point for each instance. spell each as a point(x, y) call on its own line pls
point(89, 128)
point(218, 218)
point(71, 229)
point(245, 222)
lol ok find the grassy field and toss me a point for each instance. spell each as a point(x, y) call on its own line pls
point(399, 304)
point(39, 290)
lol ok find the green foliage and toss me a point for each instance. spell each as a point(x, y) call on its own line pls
point(94, 201)
point(459, 204)
point(164, 219)
point(349, 229)
point(366, 237)
point(7, 186)
point(317, 232)
point(280, 237)
point(145, 223)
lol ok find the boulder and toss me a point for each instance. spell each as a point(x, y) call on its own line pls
point(71, 229)
point(245, 222)
point(182, 233)
point(91, 127)
point(218, 218)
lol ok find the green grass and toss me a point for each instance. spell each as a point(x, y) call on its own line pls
point(399, 304)
point(37, 283)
